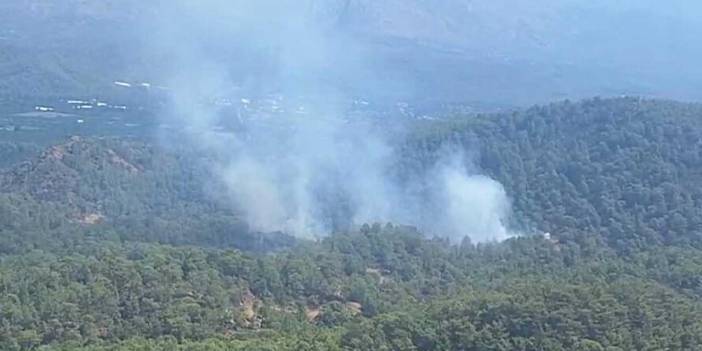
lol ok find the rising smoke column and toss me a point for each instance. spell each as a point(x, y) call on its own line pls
point(309, 174)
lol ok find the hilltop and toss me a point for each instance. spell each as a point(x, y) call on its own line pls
point(129, 189)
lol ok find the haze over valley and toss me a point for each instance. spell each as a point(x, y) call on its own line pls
point(350, 175)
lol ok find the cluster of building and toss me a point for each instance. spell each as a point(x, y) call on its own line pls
point(40, 108)
point(145, 85)
point(261, 108)
point(92, 104)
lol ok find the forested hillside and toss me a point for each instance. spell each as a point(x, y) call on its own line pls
point(110, 244)
point(119, 189)
point(626, 170)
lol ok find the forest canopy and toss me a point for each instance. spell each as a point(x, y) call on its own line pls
point(114, 244)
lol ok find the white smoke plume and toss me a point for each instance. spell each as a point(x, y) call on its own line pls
point(304, 174)
point(475, 205)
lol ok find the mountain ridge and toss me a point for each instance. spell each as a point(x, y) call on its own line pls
point(531, 53)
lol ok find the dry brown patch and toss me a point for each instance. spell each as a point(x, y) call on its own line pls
point(248, 303)
point(313, 313)
point(355, 307)
point(118, 160)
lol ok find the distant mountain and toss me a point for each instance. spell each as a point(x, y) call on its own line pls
point(510, 52)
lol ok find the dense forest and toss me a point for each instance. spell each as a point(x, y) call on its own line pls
point(114, 245)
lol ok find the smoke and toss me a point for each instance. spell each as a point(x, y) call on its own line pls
point(475, 205)
point(251, 82)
